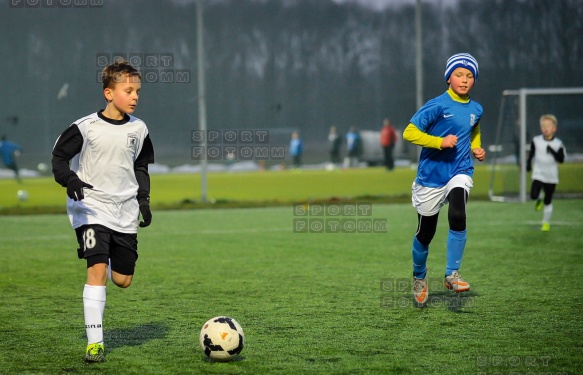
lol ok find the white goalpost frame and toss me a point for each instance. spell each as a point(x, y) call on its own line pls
point(522, 94)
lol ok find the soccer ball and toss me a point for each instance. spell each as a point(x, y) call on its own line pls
point(22, 195)
point(42, 167)
point(221, 338)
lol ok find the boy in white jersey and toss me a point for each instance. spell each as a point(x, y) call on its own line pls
point(447, 127)
point(102, 159)
point(547, 152)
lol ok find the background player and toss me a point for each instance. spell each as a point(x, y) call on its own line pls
point(448, 129)
point(547, 152)
point(388, 139)
point(108, 186)
point(9, 152)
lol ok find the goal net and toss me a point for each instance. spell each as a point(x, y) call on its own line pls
point(518, 123)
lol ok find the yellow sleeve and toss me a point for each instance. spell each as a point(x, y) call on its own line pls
point(476, 138)
point(417, 137)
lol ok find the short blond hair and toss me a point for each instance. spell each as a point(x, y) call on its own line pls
point(549, 117)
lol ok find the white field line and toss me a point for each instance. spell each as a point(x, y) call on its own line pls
point(560, 223)
point(71, 235)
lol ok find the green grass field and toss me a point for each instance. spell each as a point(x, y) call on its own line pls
point(269, 188)
point(309, 303)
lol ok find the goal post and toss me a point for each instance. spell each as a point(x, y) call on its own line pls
point(518, 122)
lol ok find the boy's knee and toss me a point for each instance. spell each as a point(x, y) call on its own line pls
point(97, 274)
point(423, 239)
point(425, 236)
point(123, 284)
point(121, 281)
point(426, 229)
point(457, 219)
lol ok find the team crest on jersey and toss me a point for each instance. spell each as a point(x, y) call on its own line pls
point(132, 140)
point(472, 119)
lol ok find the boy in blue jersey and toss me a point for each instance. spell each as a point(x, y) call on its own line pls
point(296, 149)
point(353, 148)
point(9, 151)
point(447, 127)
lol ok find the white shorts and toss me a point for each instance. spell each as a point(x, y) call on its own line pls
point(428, 201)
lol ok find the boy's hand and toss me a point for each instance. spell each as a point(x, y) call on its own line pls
point(479, 153)
point(146, 214)
point(75, 189)
point(449, 141)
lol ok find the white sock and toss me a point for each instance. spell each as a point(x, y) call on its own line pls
point(93, 306)
point(547, 213)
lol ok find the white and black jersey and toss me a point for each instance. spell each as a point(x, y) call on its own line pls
point(544, 158)
point(113, 156)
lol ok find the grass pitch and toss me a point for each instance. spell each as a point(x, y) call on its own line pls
point(270, 188)
point(309, 303)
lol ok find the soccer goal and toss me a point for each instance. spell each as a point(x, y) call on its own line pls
point(518, 122)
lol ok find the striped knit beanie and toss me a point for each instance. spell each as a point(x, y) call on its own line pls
point(461, 60)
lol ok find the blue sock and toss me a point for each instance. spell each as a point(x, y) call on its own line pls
point(456, 243)
point(420, 253)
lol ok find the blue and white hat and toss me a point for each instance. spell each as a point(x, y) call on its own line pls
point(461, 60)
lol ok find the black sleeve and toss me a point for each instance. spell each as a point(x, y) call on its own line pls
point(145, 157)
point(68, 145)
point(530, 156)
point(558, 155)
point(143, 178)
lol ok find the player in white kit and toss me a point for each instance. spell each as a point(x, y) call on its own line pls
point(102, 159)
point(546, 152)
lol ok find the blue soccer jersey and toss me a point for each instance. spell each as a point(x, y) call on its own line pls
point(440, 117)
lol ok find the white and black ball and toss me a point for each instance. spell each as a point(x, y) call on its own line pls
point(222, 338)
